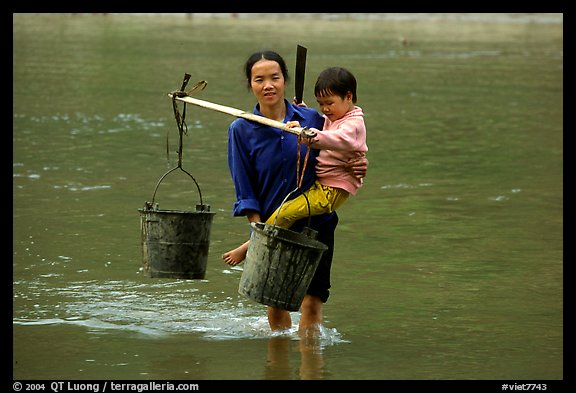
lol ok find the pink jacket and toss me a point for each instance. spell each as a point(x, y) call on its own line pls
point(340, 141)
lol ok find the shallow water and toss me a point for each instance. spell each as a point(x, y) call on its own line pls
point(448, 263)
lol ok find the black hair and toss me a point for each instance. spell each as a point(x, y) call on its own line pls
point(335, 80)
point(264, 55)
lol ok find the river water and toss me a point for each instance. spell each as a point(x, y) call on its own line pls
point(448, 262)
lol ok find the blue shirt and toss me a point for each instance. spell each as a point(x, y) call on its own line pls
point(262, 161)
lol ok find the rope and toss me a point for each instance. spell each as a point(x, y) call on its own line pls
point(299, 179)
point(182, 129)
point(181, 118)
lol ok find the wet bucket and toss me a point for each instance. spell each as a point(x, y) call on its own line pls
point(175, 243)
point(279, 265)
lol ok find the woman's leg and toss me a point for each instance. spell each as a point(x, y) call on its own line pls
point(311, 315)
point(279, 319)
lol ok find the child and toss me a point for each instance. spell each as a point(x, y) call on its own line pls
point(342, 140)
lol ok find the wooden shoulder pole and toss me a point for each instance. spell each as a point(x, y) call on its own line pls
point(245, 115)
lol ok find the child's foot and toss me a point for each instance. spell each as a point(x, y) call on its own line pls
point(237, 255)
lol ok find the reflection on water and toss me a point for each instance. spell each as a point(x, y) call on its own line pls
point(448, 263)
point(310, 365)
point(171, 308)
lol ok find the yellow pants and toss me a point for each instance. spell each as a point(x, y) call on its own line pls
point(322, 199)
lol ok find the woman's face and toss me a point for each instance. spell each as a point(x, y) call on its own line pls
point(267, 83)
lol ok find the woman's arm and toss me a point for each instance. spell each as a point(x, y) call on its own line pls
point(241, 170)
point(253, 216)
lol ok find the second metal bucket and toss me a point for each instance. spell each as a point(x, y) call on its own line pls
point(279, 266)
point(175, 243)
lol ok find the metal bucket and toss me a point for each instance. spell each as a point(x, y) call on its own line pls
point(279, 265)
point(175, 243)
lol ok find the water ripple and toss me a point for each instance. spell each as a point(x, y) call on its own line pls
point(160, 309)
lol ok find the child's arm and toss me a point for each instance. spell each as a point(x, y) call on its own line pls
point(349, 136)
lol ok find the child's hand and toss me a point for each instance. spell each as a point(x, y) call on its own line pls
point(307, 136)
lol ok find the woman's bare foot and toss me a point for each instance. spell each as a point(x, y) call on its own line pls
point(237, 255)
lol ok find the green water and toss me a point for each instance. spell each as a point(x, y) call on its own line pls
point(448, 263)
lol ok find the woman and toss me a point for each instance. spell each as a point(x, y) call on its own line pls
point(262, 163)
point(343, 138)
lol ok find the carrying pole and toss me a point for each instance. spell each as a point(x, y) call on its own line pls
point(245, 115)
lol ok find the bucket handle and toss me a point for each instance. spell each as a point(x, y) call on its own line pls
point(286, 199)
point(185, 171)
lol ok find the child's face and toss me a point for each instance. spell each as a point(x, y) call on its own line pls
point(334, 106)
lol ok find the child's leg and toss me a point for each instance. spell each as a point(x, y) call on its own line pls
point(322, 199)
point(336, 196)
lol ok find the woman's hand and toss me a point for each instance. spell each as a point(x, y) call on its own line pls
point(292, 124)
point(358, 167)
point(299, 104)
